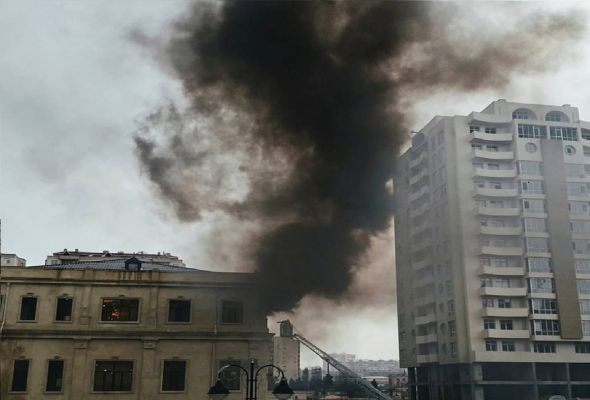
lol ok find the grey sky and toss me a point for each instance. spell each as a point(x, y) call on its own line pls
point(71, 86)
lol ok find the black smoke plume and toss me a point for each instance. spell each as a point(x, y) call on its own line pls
point(303, 103)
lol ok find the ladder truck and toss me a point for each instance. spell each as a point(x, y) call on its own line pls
point(287, 330)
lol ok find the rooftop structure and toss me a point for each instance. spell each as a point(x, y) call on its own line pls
point(70, 256)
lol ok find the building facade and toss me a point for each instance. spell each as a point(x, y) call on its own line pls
point(126, 330)
point(72, 256)
point(492, 236)
point(12, 260)
point(287, 355)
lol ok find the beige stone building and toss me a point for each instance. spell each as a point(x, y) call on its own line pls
point(492, 236)
point(287, 355)
point(126, 330)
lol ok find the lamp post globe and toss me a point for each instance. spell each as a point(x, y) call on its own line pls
point(283, 391)
point(218, 391)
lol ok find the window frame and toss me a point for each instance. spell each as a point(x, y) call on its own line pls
point(190, 312)
point(63, 373)
point(63, 321)
point(93, 377)
point(11, 381)
point(20, 311)
point(138, 321)
point(186, 381)
point(221, 321)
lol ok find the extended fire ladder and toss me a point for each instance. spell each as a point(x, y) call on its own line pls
point(287, 329)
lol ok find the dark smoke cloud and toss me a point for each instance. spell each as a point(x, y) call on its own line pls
point(301, 103)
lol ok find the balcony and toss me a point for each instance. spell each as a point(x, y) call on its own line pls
point(501, 271)
point(422, 263)
point(491, 137)
point(502, 251)
point(495, 173)
point(423, 156)
point(498, 212)
point(501, 230)
point(419, 193)
point(506, 334)
point(488, 192)
point(420, 175)
point(505, 312)
point(419, 210)
point(423, 300)
point(427, 358)
point(429, 280)
point(503, 291)
point(425, 319)
point(493, 155)
point(430, 338)
point(490, 118)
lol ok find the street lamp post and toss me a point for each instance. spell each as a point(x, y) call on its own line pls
point(282, 391)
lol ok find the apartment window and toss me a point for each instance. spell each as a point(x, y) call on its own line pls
point(563, 133)
point(489, 324)
point(544, 347)
point(28, 308)
point(533, 205)
point(539, 264)
point(577, 189)
point(535, 225)
point(491, 345)
point(520, 114)
point(492, 147)
point(63, 310)
point(583, 347)
point(531, 187)
point(541, 285)
point(508, 345)
point(490, 130)
point(493, 166)
point(586, 328)
point(453, 349)
point(504, 303)
point(585, 307)
point(530, 168)
point(476, 146)
point(545, 327)
point(487, 302)
point(583, 286)
point(506, 324)
point(452, 328)
point(585, 134)
point(575, 170)
point(173, 376)
point(553, 116)
point(230, 376)
point(113, 376)
point(583, 266)
point(578, 207)
point(179, 311)
point(532, 131)
point(120, 310)
point(474, 129)
point(449, 288)
point(543, 306)
point(20, 376)
point(581, 246)
point(55, 372)
point(540, 245)
point(451, 307)
point(232, 312)
point(580, 226)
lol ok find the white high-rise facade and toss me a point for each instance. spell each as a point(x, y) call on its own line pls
point(493, 254)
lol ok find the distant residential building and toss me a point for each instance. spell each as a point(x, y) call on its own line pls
point(127, 329)
point(286, 356)
point(12, 260)
point(315, 374)
point(364, 367)
point(71, 256)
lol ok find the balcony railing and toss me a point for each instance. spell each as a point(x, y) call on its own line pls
point(502, 251)
point(430, 338)
point(495, 173)
point(489, 192)
point(501, 230)
point(507, 334)
point(494, 155)
point(503, 291)
point(499, 212)
point(491, 137)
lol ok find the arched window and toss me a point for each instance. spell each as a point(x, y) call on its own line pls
point(523, 113)
point(556, 116)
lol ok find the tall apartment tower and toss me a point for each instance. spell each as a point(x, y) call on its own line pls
point(492, 236)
